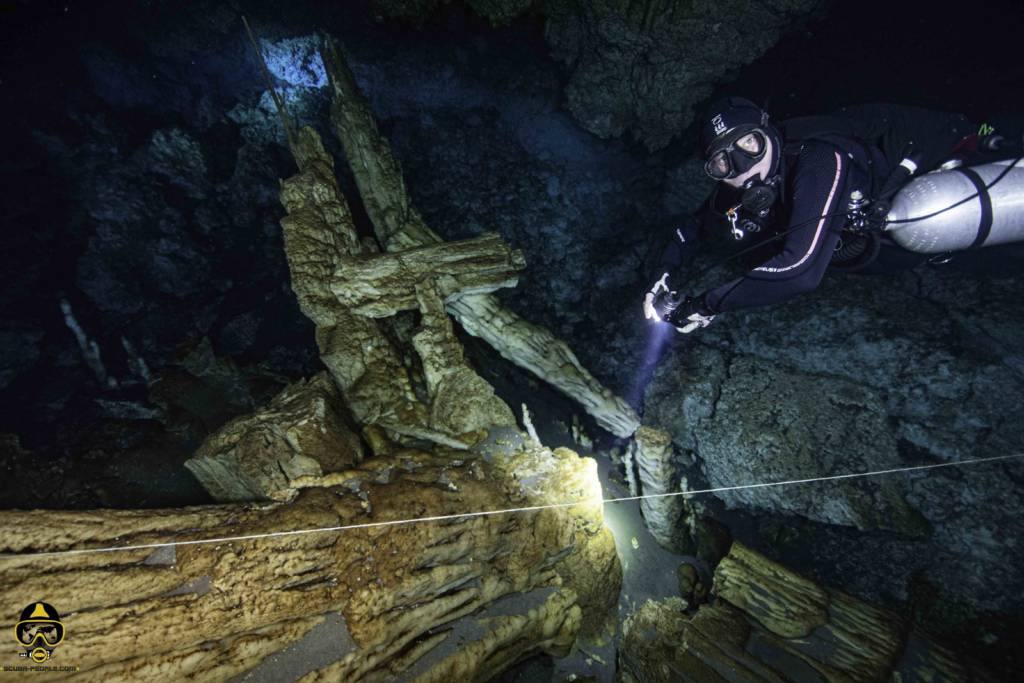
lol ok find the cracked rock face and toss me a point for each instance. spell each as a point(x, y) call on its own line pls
point(302, 433)
point(644, 67)
point(855, 378)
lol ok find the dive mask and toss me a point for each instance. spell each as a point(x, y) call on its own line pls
point(737, 153)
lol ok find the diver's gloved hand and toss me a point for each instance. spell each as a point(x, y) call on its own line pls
point(689, 314)
point(658, 288)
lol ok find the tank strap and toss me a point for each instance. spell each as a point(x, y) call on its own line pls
point(985, 223)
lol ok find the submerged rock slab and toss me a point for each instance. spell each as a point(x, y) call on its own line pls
point(170, 612)
point(772, 625)
point(301, 433)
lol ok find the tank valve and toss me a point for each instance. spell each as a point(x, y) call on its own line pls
point(857, 201)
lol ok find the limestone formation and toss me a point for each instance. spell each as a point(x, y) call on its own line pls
point(301, 433)
point(652, 452)
point(641, 67)
point(216, 609)
point(318, 233)
point(851, 381)
point(770, 624)
point(380, 285)
point(461, 401)
point(399, 226)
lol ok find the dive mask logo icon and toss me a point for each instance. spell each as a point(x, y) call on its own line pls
point(718, 124)
point(39, 631)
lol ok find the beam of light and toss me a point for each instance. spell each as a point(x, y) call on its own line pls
point(506, 511)
point(658, 334)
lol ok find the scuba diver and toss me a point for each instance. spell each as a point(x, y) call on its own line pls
point(851, 190)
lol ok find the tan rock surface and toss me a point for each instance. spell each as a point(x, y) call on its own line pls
point(301, 433)
point(165, 611)
point(399, 226)
point(460, 400)
point(318, 233)
point(380, 285)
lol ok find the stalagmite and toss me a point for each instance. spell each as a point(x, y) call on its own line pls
point(652, 451)
point(461, 401)
point(318, 233)
point(459, 595)
point(399, 226)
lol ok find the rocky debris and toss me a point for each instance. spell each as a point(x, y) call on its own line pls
point(770, 624)
point(643, 67)
point(398, 587)
point(301, 433)
point(380, 285)
point(691, 587)
point(399, 226)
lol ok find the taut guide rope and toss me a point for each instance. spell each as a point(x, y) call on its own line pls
point(531, 508)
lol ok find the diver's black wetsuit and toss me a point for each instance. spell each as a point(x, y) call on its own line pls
point(819, 173)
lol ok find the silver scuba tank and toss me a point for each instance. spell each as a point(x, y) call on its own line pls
point(994, 216)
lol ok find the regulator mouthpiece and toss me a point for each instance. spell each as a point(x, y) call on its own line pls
point(758, 197)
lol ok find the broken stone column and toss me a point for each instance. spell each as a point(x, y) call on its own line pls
point(215, 610)
point(534, 348)
point(301, 433)
point(380, 285)
point(318, 234)
point(399, 226)
point(460, 400)
point(652, 452)
point(771, 624)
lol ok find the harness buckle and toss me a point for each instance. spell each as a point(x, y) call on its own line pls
point(733, 216)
